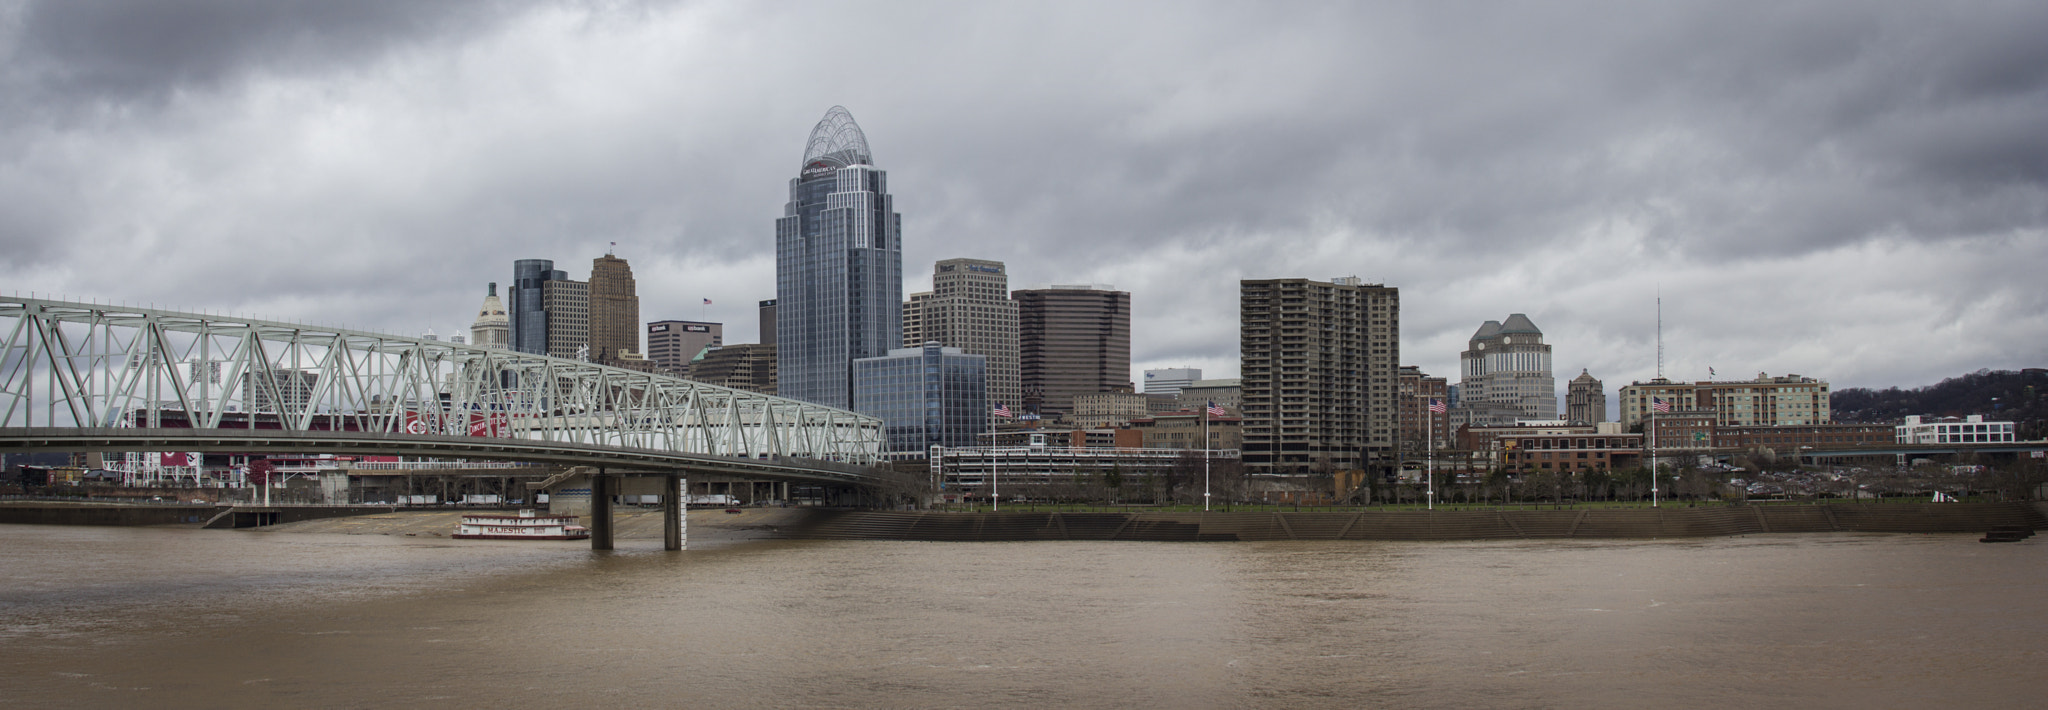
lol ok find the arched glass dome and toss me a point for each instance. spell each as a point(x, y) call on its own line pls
point(837, 142)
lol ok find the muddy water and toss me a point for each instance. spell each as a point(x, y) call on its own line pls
point(124, 617)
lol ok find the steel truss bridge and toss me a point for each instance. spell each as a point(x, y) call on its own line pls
point(85, 376)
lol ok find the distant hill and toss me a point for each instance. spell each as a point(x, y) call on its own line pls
point(2017, 395)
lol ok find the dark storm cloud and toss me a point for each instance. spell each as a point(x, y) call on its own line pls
point(128, 49)
point(1559, 160)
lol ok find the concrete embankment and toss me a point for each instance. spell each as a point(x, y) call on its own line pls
point(63, 513)
point(1418, 525)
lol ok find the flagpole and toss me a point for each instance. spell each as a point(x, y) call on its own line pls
point(1205, 458)
point(1653, 452)
point(1429, 450)
point(995, 494)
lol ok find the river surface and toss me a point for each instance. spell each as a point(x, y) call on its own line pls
point(173, 617)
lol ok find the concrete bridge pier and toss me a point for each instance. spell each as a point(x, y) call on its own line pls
point(675, 510)
point(602, 487)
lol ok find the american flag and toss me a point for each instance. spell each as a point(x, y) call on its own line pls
point(1438, 406)
point(707, 301)
point(1214, 410)
point(1003, 410)
point(1657, 404)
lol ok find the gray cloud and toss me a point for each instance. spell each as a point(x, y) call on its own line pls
point(1801, 180)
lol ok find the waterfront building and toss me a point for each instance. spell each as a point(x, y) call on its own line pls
point(1420, 427)
point(614, 314)
point(527, 319)
point(1169, 381)
point(1071, 339)
point(1044, 467)
point(1585, 400)
point(969, 308)
point(672, 344)
point(1319, 364)
point(1508, 364)
point(284, 391)
point(838, 266)
point(1764, 401)
point(1526, 448)
point(926, 396)
point(746, 366)
point(1225, 393)
point(1950, 430)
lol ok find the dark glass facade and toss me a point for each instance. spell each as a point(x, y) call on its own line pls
point(838, 267)
point(524, 306)
point(927, 396)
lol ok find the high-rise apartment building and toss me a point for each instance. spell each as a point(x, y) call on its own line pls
point(1585, 400)
point(969, 308)
point(566, 309)
point(926, 396)
point(527, 315)
point(492, 329)
point(838, 266)
point(1319, 374)
point(1508, 365)
point(1071, 340)
point(614, 313)
point(672, 343)
point(1168, 381)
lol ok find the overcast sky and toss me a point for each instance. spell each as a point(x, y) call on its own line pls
point(1854, 191)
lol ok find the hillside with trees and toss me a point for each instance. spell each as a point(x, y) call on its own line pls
point(2020, 396)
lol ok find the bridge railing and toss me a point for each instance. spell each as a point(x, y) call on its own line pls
point(73, 364)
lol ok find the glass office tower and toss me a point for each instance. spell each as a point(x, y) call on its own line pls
point(838, 266)
point(926, 396)
point(527, 313)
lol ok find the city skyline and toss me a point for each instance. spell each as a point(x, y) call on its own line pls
point(1847, 192)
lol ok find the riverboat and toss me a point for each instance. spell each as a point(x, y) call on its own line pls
point(527, 525)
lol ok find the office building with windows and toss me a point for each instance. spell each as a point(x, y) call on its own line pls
point(1071, 340)
point(671, 344)
point(969, 308)
point(926, 396)
point(1507, 365)
point(492, 328)
point(527, 316)
point(838, 266)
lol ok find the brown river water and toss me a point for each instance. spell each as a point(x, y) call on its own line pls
point(175, 617)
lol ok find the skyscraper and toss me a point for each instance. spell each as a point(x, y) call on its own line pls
point(565, 306)
point(1071, 340)
point(838, 266)
point(527, 313)
point(1319, 369)
point(1507, 366)
point(614, 313)
point(969, 308)
point(1585, 400)
point(492, 329)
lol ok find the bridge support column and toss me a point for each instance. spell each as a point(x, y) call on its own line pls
point(675, 511)
point(601, 488)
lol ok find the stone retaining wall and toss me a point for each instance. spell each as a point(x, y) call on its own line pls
point(1419, 525)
